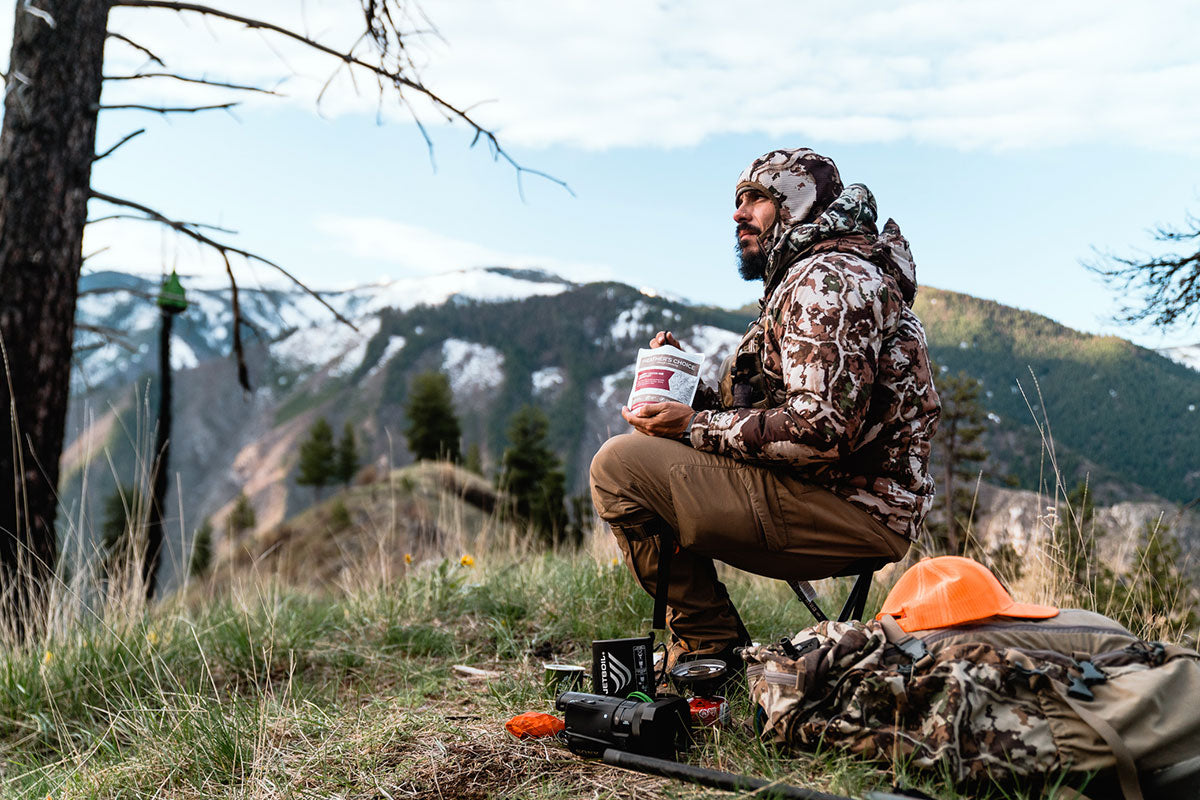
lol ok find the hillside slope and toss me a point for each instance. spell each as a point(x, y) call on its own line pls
point(1118, 414)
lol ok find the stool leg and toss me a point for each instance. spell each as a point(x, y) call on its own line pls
point(856, 602)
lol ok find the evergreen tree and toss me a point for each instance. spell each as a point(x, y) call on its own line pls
point(242, 518)
point(1155, 590)
point(433, 430)
point(474, 462)
point(532, 476)
point(318, 457)
point(1075, 535)
point(123, 513)
point(960, 455)
point(347, 456)
point(202, 549)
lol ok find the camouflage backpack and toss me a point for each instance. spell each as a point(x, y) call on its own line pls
point(998, 698)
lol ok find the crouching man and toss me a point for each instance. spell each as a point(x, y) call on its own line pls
point(814, 451)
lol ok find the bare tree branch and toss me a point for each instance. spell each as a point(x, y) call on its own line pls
point(168, 110)
point(379, 24)
point(107, 336)
point(192, 225)
point(225, 250)
point(122, 141)
point(121, 38)
point(1167, 286)
point(202, 81)
point(114, 290)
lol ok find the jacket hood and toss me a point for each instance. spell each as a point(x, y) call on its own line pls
point(815, 212)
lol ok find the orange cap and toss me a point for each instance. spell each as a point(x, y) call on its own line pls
point(950, 590)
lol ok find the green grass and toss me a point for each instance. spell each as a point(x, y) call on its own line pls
point(269, 692)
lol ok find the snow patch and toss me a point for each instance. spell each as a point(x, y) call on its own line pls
point(611, 384)
point(631, 323)
point(545, 380)
point(319, 345)
point(182, 355)
point(1188, 355)
point(472, 367)
point(716, 343)
point(395, 345)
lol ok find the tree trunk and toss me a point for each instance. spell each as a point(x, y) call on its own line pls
point(162, 458)
point(46, 150)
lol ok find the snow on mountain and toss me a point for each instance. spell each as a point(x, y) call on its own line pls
point(1188, 355)
point(548, 379)
point(182, 355)
point(471, 367)
point(715, 343)
point(395, 345)
point(611, 385)
point(317, 346)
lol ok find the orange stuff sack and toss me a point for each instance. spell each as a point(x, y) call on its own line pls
point(534, 725)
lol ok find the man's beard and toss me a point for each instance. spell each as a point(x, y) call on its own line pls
point(751, 266)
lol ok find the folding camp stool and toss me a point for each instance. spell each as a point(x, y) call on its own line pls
point(856, 603)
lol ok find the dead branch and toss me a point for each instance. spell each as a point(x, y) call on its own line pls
point(114, 290)
point(168, 109)
point(122, 38)
point(225, 250)
point(107, 336)
point(238, 351)
point(193, 225)
point(378, 32)
point(1169, 285)
point(202, 81)
point(122, 141)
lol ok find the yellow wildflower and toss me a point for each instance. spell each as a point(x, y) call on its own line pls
point(46, 658)
point(616, 561)
point(408, 558)
point(152, 637)
point(466, 560)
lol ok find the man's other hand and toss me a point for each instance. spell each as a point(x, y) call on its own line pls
point(664, 337)
point(668, 420)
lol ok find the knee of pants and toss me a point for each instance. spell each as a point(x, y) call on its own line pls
point(608, 476)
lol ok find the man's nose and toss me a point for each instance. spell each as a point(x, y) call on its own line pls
point(741, 214)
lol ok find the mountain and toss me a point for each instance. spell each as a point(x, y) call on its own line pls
point(1117, 413)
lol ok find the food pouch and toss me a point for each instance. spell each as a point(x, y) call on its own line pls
point(665, 373)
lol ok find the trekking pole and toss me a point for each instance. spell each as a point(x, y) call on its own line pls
point(712, 777)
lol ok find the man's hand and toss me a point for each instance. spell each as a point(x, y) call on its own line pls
point(664, 337)
point(668, 420)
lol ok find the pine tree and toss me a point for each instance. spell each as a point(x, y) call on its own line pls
point(1075, 535)
point(1155, 593)
point(202, 549)
point(318, 457)
point(242, 518)
point(347, 456)
point(122, 516)
point(474, 462)
point(532, 476)
point(433, 430)
point(960, 455)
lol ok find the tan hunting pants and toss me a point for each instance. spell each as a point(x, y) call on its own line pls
point(755, 518)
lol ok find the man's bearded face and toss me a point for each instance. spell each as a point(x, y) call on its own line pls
point(755, 214)
point(752, 262)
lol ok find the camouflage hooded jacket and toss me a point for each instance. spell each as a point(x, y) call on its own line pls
point(849, 398)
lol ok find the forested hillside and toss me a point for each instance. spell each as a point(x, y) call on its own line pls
point(1119, 410)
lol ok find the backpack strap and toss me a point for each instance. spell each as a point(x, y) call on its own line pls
point(1126, 769)
point(908, 644)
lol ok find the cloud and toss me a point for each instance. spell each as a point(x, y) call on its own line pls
point(628, 73)
point(420, 251)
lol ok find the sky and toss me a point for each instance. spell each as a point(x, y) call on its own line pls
point(1012, 142)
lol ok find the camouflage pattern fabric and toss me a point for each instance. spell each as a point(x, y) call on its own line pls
point(850, 400)
point(976, 711)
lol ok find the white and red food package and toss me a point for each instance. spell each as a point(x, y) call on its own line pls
point(665, 373)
